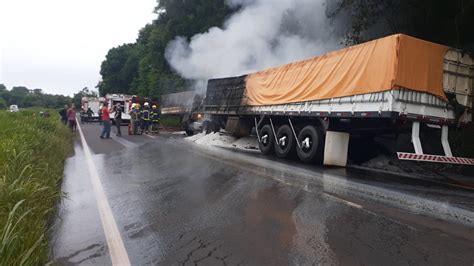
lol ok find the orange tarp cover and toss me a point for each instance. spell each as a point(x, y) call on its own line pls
point(380, 65)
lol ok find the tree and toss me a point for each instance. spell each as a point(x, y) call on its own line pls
point(3, 103)
point(118, 70)
point(24, 97)
point(445, 22)
point(85, 92)
point(141, 68)
point(20, 90)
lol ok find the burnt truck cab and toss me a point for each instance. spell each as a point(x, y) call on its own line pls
point(195, 121)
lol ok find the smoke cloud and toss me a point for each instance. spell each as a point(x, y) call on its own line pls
point(262, 34)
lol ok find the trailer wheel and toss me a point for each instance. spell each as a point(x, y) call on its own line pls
point(206, 127)
point(267, 140)
point(285, 143)
point(310, 138)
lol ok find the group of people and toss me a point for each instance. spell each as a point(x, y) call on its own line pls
point(68, 116)
point(144, 120)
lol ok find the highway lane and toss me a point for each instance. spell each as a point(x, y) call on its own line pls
point(176, 203)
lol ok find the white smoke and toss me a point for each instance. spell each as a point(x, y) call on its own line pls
point(263, 33)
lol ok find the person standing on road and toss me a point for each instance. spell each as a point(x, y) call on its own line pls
point(63, 114)
point(89, 115)
point(145, 115)
point(118, 118)
point(71, 117)
point(105, 121)
point(155, 119)
point(100, 115)
point(134, 119)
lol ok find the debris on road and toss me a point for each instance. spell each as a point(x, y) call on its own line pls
point(224, 139)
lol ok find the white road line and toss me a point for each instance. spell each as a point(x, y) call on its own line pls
point(118, 253)
point(350, 203)
point(150, 136)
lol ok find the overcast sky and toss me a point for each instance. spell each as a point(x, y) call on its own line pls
point(58, 45)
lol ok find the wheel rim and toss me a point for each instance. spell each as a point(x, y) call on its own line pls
point(265, 139)
point(283, 141)
point(307, 143)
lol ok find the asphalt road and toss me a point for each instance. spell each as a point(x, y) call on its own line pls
point(176, 203)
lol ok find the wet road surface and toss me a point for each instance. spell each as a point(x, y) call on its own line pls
point(176, 203)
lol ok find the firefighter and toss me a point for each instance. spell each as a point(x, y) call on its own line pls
point(138, 122)
point(145, 118)
point(155, 119)
point(133, 119)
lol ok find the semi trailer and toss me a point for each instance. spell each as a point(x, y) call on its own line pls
point(312, 108)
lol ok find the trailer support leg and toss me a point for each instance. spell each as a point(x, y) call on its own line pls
point(415, 138)
point(256, 129)
point(445, 141)
point(294, 133)
point(273, 129)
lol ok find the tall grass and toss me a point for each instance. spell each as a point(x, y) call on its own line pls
point(32, 154)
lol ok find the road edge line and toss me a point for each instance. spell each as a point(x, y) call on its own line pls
point(118, 253)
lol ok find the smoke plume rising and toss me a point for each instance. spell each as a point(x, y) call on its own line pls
point(263, 33)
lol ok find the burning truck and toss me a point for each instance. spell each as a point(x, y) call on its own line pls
point(313, 109)
point(187, 107)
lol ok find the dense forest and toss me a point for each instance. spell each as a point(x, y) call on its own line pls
point(141, 68)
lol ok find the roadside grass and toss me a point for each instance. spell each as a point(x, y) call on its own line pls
point(32, 154)
point(170, 121)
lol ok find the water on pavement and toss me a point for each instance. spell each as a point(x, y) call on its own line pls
point(176, 204)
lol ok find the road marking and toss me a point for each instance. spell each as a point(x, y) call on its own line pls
point(150, 136)
point(350, 203)
point(118, 253)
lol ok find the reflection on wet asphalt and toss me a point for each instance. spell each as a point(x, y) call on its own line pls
point(178, 205)
point(77, 235)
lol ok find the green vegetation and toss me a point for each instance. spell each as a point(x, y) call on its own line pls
point(141, 68)
point(24, 98)
point(170, 121)
point(32, 154)
point(440, 21)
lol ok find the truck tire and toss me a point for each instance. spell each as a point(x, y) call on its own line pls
point(311, 149)
point(285, 147)
point(210, 126)
point(206, 127)
point(267, 140)
point(187, 128)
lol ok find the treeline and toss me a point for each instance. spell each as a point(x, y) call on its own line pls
point(446, 22)
point(141, 68)
point(24, 98)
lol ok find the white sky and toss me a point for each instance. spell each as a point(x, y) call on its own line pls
point(58, 45)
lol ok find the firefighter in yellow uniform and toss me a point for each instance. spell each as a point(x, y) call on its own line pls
point(155, 119)
point(145, 115)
